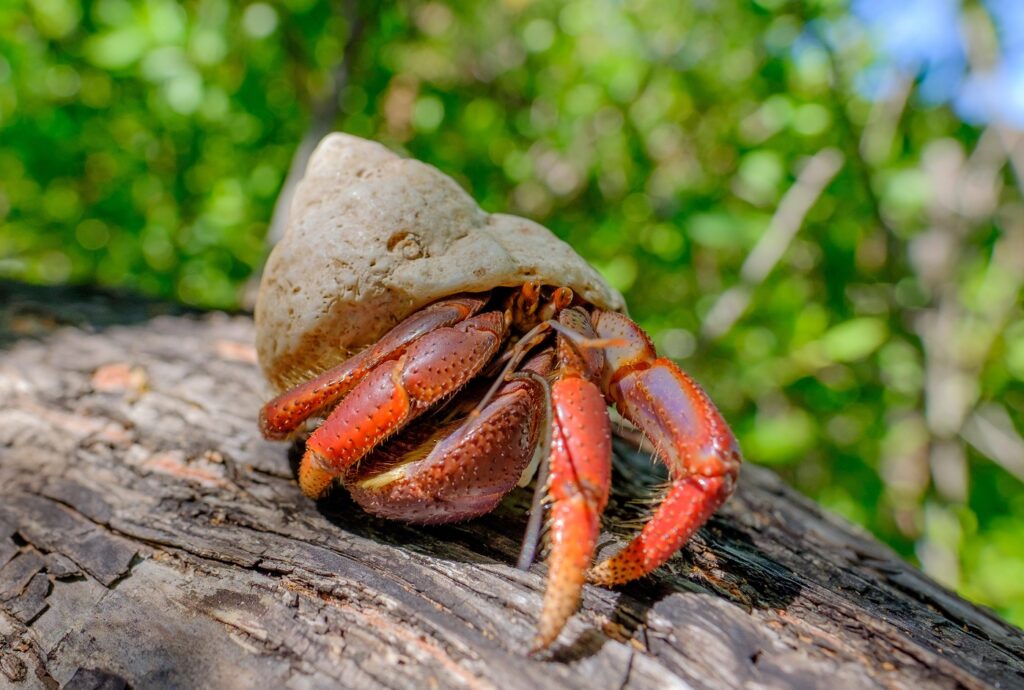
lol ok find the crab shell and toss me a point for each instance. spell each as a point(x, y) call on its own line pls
point(373, 237)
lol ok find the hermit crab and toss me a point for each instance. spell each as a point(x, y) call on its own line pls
point(447, 348)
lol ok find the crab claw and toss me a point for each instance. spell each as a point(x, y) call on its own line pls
point(690, 437)
point(436, 474)
point(283, 415)
point(395, 392)
point(581, 453)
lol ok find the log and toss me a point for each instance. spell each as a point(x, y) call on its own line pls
point(150, 538)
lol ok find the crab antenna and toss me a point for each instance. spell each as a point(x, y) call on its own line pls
point(519, 350)
point(533, 338)
point(531, 538)
point(580, 341)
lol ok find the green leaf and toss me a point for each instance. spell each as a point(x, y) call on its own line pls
point(854, 339)
point(780, 439)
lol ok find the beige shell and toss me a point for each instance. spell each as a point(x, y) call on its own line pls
point(371, 238)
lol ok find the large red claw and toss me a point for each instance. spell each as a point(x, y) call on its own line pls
point(286, 413)
point(396, 392)
point(437, 474)
point(689, 435)
point(581, 452)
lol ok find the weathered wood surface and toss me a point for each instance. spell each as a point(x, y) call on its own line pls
point(150, 538)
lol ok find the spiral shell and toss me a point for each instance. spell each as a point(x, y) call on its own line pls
point(373, 237)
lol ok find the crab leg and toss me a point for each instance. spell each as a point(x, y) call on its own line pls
point(690, 436)
point(286, 413)
point(397, 391)
point(581, 451)
point(580, 472)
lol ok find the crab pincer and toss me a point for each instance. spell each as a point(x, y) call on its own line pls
point(397, 391)
point(283, 415)
point(459, 466)
point(689, 436)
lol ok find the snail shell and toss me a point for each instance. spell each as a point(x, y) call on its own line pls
point(371, 238)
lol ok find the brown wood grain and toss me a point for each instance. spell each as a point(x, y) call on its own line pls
point(149, 538)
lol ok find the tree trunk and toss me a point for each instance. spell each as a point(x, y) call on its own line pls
point(149, 538)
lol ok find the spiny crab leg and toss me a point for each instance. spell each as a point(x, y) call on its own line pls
point(581, 451)
point(580, 474)
point(579, 343)
point(284, 414)
point(690, 437)
point(395, 392)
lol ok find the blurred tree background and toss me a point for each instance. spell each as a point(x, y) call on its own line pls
point(814, 205)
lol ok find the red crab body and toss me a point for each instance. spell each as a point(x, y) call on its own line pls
point(447, 348)
point(414, 436)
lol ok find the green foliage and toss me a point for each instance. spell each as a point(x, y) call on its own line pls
point(142, 144)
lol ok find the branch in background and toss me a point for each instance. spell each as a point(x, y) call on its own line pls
point(769, 250)
point(966, 195)
point(1013, 144)
point(856, 146)
point(325, 112)
point(876, 140)
point(957, 338)
point(950, 387)
point(990, 430)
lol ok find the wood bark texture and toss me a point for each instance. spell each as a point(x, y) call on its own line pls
point(149, 538)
